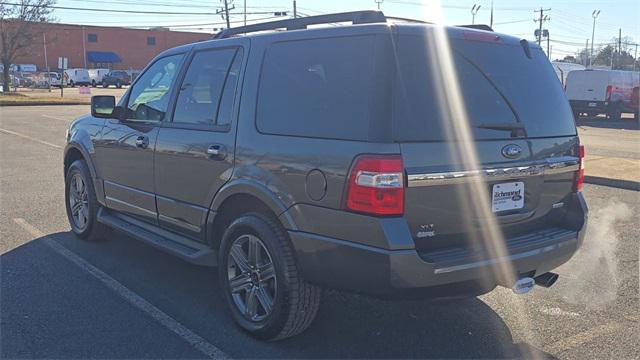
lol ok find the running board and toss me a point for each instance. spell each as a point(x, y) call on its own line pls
point(186, 249)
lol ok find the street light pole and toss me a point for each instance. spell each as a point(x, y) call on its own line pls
point(474, 11)
point(593, 32)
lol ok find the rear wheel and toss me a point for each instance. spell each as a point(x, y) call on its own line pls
point(72, 84)
point(93, 83)
point(260, 280)
point(81, 203)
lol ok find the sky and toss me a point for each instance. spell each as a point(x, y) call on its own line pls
point(569, 25)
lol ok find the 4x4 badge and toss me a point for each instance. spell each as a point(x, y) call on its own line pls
point(511, 151)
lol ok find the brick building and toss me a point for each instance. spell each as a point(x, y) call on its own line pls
point(104, 47)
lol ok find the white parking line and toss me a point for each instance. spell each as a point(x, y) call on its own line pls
point(30, 138)
point(56, 118)
point(136, 300)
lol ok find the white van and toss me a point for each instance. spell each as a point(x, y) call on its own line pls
point(96, 75)
point(610, 92)
point(77, 76)
point(563, 69)
point(53, 78)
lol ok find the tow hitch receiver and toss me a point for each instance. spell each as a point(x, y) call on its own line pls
point(523, 285)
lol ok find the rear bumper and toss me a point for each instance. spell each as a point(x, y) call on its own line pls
point(598, 107)
point(407, 273)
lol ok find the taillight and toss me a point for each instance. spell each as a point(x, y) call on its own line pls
point(376, 185)
point(579, 179)
point(609, 92)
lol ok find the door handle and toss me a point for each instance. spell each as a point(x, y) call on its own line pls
point(142, 141)
point(217, 151)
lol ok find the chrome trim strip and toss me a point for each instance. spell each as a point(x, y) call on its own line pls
point(494, 261)
point(548, 166)
point(130, 206)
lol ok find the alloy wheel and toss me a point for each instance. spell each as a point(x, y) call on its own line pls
point(251, 277)
point(79, 202)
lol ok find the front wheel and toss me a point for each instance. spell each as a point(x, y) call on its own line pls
point(260, 280)
point(118, 84)
point(81, 203)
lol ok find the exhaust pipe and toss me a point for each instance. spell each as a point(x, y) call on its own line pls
point(523, 285)
point(546, 279)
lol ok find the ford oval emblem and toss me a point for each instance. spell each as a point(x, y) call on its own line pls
point(511, 151)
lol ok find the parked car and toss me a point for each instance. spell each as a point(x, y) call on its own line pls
point(338, 157)
point(117, 78)
point(77, 76)
point(96, 76)
point(595, 92)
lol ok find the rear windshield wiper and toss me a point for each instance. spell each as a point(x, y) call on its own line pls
point(516, 129)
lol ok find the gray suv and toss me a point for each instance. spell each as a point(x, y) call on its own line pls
point(395, 159)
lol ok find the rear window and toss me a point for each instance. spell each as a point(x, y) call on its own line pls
point(499, 86)
point(317, 88)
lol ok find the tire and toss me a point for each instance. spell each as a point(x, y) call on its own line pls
point(294, 302)
point(72, 84)
point(118, 84)
point(104, 84)
point(90, 228)
point(93, 83)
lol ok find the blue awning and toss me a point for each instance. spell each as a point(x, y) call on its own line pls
point(103, 57)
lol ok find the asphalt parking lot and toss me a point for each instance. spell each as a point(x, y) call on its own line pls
point(65, 298)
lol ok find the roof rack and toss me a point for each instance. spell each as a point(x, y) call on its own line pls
point(355, 17)
point(477, 27)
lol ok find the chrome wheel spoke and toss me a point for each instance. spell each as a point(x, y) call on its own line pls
point(267, 272)
point(254, 251)
point(264, 299)
point(251, 303)
point(239, 258)
point(240, 283)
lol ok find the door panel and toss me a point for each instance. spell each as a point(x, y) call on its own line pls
point(187, 177)
point(195, 151)
point(127, 167)
point(125, 151)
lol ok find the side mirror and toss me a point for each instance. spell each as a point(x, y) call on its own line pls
point(103, 106)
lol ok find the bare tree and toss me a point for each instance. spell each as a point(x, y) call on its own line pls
point(21, 24)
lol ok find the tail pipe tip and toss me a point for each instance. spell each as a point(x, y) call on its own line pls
point(547, 279)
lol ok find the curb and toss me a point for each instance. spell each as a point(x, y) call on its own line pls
point(616, 183)
point(44, 103)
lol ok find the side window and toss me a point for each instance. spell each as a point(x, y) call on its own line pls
point(317, 88)
point(202, 87)
point(225, 112)
point(149, 97)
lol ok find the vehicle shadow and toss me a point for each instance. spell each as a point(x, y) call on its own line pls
point(347, 325)
point(604, 123)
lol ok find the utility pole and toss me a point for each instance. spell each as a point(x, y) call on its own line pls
point(619, 48)
point(379, 3)
point(593, 32)
point(491, 19)
point(540, 20)
point(46, 61)
point(225, 11)
point(586, 54)
point(295, 9)
point(245, 12)
point(84, 48)
point(635, 58)
point(548, 48)
point(474, 11)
